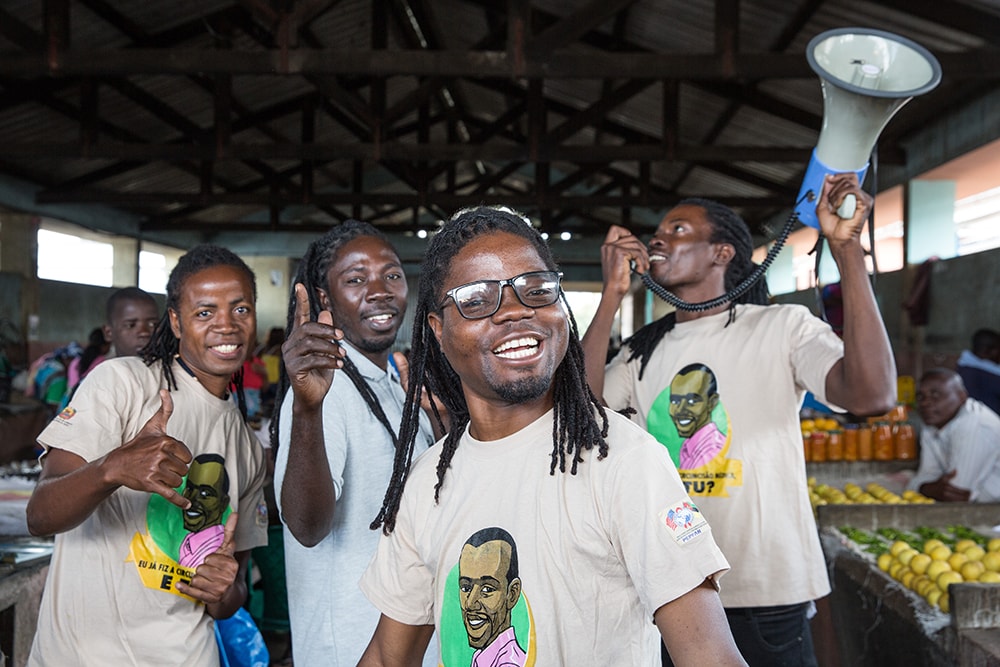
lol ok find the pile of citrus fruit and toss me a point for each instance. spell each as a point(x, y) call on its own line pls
point(927, 561)
point(810, 426)
point(872, 494)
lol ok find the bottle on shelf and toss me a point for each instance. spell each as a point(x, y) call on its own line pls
point(883, 447)
point(905, 441)
point(835, 445)
point(850, 442)
point(865, 450)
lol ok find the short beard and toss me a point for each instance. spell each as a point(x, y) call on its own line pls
point(376, 346)
point(523, 391)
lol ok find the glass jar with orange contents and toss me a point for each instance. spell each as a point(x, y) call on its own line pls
point(905, 441)
point(883, 447)
point(865, 452)
point(835, 445)
point(817, 446)
point(850, 442)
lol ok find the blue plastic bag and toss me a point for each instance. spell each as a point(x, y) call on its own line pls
point(240, 642)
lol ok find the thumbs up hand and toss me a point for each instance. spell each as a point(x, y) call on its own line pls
point(153, 461)
point(212, 579)
point(311, 353)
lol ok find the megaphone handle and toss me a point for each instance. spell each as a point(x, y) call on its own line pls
point(848, 207)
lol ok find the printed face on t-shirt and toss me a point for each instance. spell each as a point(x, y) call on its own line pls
point(206, 490)
point(691, 402)
point(485, 594)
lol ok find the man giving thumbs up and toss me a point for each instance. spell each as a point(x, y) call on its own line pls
point(152, 483)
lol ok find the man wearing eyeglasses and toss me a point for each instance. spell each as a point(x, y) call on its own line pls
point(611, 553)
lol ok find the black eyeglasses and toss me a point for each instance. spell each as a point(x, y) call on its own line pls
point(480, 299)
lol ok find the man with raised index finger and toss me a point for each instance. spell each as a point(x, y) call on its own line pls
point(336, 426)
point(114, 467)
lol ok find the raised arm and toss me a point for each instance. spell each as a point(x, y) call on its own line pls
point(864, 380)
point(311, 355)
point(619, 250)
point(695, 630)
point(70, 488)
point(396, 644)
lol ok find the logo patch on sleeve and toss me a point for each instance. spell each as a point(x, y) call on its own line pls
point(260, 516)
point(684, 521)
point(67, 413)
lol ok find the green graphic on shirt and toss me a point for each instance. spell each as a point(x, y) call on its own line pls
point(206, 486)
point(690, 420)
point(177, 541)
point(484, 609)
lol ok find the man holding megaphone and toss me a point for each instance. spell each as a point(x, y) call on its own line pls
point(764, 358)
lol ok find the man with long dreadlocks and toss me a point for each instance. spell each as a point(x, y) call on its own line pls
point(605, 536)
point(336, 434)
point(113, 471)
point(764, 358)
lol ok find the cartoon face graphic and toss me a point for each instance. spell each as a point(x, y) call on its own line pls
point(488, 587)
point(208, 490)
point(693, 396)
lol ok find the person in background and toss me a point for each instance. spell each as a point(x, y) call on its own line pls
point(270, 354)
point(255, 385)
point(131, 315)
point(980, 368)
point(959, 444)
point(764, 358)
point(93, 354)
point(335, 426)
point(113, 465)
point(606, 539)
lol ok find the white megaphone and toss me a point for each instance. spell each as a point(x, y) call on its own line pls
point(867, 76)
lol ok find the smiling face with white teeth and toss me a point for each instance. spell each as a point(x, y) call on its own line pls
point(215, 322)
point(509, 358)
point(366, 293)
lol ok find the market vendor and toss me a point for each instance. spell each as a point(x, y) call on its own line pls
point(960, 443)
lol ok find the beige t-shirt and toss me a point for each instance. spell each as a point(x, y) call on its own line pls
point(753, 491)
point(598, 552)
point(109, 597)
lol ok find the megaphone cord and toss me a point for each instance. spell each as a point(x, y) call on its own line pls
point(737, 291)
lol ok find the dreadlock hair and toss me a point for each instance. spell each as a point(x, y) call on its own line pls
point(163, 345)
point(575, 424)
point(727, 227)
point(311, 272)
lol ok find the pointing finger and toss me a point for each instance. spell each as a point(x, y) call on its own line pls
point(301, 305)
point(403, 368)
point(228, 546)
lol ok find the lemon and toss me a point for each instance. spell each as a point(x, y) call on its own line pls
point(989, 577)
point(919, 562)
point(944, 603)
point(946, 579)
point(920, 584)
point(932, 544)
point(975, 552)
point(937, 567)
point(972, 570)
point(932, 596)
point(991, 561)
point(898, 546)
point(906, 555)
point(884, 561)
point(895, 569)
point(993, 544)
point(906, 577)
point(957, 560)
point(964, 544)
point(941, 553)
